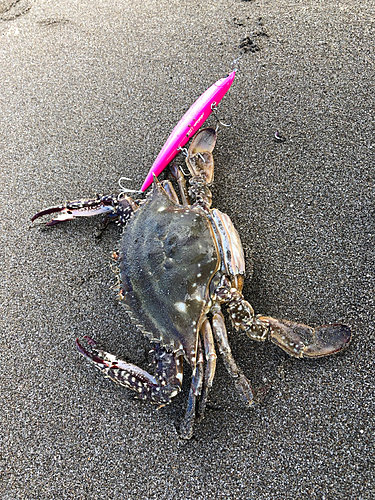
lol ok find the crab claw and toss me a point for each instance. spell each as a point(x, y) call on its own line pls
point(300, 340)
point(80, 208)
point(159, 389)
point(98, 361)
point(107, 362)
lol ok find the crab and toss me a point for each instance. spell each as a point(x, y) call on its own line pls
point(180, 263)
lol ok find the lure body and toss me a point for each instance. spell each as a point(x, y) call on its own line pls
point(192, 120)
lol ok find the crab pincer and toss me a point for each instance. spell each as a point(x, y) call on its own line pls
point(158, 389)
point(111, 206)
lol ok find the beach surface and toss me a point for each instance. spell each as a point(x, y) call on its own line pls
point(89, 92)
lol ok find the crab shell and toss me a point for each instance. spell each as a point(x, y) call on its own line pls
point(170, 254)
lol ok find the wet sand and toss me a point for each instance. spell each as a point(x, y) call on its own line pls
point(89, 92)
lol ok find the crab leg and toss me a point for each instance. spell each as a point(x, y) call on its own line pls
point(169, 189)
point(180, 178)
point(200, 163)
point(242, 384)
point(302, 341)
point(209, 375)
point(186, 427)
point(159, 389)
point(297, 339)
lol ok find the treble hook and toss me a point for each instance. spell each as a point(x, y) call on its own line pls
point(125, 190)
point(184, 151)
point(214, 111)
point(186, 174)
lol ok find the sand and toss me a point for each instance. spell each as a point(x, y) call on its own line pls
point(89, 92)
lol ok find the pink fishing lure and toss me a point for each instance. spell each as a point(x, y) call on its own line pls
point(192, 120)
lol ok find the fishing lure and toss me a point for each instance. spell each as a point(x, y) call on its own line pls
point(192, 120)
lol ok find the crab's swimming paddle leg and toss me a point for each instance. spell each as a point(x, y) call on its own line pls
point(242, 384)
point(200, 163)
point(302, 341)
point(186, 427)
point(209, 375)
point(159, 389)
point(296, 339)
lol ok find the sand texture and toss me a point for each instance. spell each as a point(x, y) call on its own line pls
point(89, 92)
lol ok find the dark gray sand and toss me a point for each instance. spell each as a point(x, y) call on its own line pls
point(89, 91)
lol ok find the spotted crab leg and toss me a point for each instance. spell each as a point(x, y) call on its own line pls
point(159, 389)
point(242, 384)
point(112, 208)
point(186, 427)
